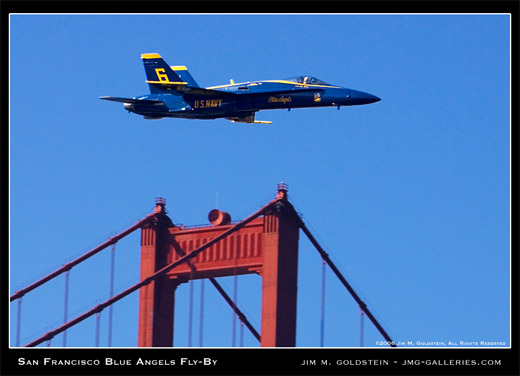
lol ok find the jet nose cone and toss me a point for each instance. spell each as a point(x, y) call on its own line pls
point(360, 97)
point(369, 98)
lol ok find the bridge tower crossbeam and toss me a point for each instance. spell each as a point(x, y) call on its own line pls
point(267, 246)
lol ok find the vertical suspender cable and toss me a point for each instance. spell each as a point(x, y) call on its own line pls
point(19, 322)
point(98, 319)
point(66, 305)
point(234, 322)
point(322, 322)
point(111, 292)
point(235, 294)
point(241, 334)
point(235, 308)
point(201, 313)
point(82, 258)
point(146, 281)
point(338, 274)
point(190, 310)
point(362, 329)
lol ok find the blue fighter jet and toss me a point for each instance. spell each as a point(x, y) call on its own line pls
point(175, 94)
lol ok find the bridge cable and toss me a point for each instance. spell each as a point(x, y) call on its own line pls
point(322, 321)
point(361, 326)
point(338, 274)
point(239, 313)
point(241, 334)
point(181, 253)
point(98, 321)
point(235, 294)
point(234, 322)
point(111, 293)
point(201, 312)
point(70, 265)
point(154, 276)
point(66, 306)
point(19, 323)
point(190, 309)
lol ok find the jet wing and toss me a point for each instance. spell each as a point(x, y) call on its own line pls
point(131, 100)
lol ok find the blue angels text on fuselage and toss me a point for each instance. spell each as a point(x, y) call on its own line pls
point(174, 93)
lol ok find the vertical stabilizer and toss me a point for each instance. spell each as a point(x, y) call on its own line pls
point(159, 75)
point(183, 73)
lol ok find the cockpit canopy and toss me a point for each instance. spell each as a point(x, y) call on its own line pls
point(307, 80)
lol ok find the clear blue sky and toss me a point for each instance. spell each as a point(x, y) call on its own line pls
point(410, 195)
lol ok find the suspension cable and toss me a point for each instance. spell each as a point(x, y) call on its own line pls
point(361, 327)
point(241, 334)
point(82, 258)
point(98, 322)
point(66, 306)
point(239, 313)
point(19, 323)
point(154, 276)
point(190, 310)
point(201, 312)
point(235, 297)
point(322, 321)
point(234, 322)
point(232, 303)
point(111, 293)
point(333, 267)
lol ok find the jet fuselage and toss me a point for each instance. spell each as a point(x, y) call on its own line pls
point(175, 94)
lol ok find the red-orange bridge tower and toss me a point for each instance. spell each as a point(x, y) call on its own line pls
point(266, 245)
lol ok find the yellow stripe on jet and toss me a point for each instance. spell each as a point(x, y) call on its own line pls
point(150, 56)
point(166, 83)
point(178, 67)
point(299, 84)
point(295, 84)
point(228, 85)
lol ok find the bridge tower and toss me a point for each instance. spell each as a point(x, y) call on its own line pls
point(266, 245)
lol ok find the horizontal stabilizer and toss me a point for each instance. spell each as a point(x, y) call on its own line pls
point(130, 100)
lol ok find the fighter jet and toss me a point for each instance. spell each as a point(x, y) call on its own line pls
point(175, 94)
